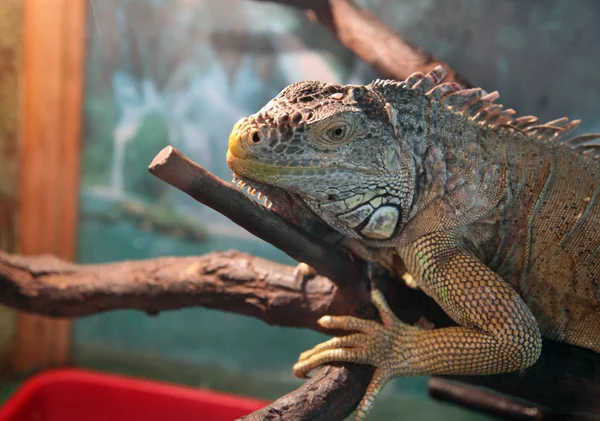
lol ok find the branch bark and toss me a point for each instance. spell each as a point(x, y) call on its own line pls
point(230, 281)
point(330, 394)
point(371, 40)
point(484, 401)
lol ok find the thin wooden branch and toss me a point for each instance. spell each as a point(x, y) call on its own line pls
point(176, 169)
point(483, 401)
point(502, 407)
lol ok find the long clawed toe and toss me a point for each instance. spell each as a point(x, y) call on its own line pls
point(350, 341)
point(334, 355)
point(350, 348)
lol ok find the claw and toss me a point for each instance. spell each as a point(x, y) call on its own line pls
point(303, 271)
point(410, 281)
point(348, 323)
point(355, 355)
point(352, 340)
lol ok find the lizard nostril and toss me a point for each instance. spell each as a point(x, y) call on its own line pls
point(256, 137)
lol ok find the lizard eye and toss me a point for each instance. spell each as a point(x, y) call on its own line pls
point(331, 135)
point(338, 132)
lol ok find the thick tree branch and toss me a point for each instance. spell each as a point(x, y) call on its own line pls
point(330, 394)
point(371, 40)
point(230, 281)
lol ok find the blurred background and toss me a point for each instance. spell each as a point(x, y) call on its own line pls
point(181, 73)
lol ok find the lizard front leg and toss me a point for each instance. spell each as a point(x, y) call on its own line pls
point(498, 333)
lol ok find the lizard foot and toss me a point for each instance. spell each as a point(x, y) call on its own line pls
point(379, 344)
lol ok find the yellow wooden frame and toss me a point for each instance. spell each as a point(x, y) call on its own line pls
point(54, 38)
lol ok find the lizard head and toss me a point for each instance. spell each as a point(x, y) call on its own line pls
point(333, 150)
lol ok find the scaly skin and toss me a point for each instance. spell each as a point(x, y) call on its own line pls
point(496, 218)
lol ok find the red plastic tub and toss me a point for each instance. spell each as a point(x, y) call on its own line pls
point(81, 395)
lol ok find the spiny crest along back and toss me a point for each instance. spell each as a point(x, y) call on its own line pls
point(479, 107)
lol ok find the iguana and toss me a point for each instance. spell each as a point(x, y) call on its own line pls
point(497, 218)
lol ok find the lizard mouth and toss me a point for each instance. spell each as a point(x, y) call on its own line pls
point(287, 205)
point(273, 198)
point(254, 189)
